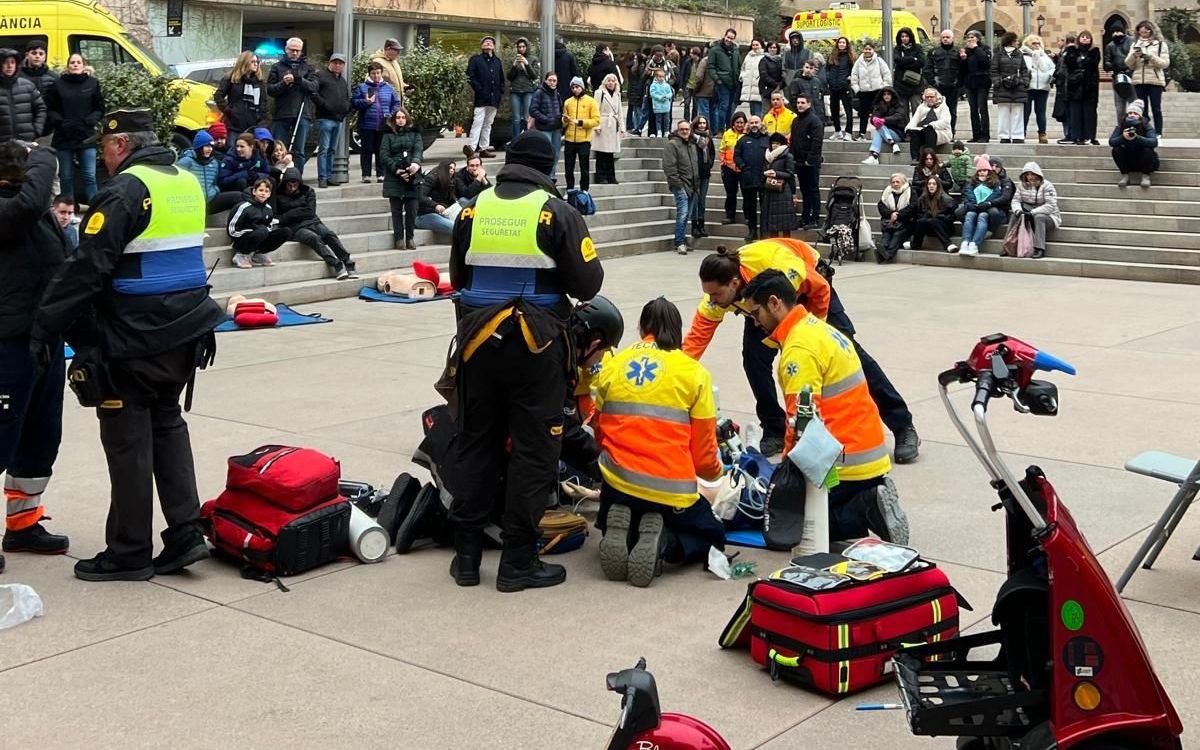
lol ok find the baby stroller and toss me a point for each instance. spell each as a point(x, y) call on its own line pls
point(843, 211)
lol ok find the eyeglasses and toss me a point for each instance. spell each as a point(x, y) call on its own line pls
point(294, 49)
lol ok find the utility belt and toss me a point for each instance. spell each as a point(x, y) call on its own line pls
point(90, 373)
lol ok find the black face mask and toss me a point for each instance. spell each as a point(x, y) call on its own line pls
point(1132, 123)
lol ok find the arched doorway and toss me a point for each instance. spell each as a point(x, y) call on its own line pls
point(980, 26)
point(1116, 19)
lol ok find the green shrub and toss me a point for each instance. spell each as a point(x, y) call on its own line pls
point(440, 86)
point(131, 86)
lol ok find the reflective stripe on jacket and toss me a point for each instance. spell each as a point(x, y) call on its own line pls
point(168, 256)
point(656, 424)
point(817, 355)
point(796, 258)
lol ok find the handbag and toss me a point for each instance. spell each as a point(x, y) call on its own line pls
point(1009, 246)
point(1025, 237)
point(774, 184)
point(911, 78)
point(865, 242)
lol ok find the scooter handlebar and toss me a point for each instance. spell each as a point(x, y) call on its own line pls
point(983, 390)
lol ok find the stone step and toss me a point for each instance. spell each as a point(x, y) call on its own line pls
point(374, 262)
point(1007, 151)
point(1057, 266)
point(1181, 200)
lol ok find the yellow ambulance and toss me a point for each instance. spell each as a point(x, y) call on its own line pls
point(848, 20)
point(69, 26)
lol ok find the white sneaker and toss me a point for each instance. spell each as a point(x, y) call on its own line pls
point(681, 249)
point(969, 248)
point(907, 245)
point(241, 260)
point(870, 160)
point(261, 259)
point(895, 148)
point(952, 248)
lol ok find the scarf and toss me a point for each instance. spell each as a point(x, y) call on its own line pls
point(776, 152)
point(896, 201)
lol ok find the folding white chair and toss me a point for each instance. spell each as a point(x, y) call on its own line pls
point(1176, 470)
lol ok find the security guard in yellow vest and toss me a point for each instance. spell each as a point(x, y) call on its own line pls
point(140, 271)
point(518, 251)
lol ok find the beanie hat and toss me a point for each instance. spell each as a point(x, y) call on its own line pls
point(1137, 105)
point(262, 134)
point(531, 149)
point(577, 81)
point(982, 162)
point(218, 130)
point(201, 140)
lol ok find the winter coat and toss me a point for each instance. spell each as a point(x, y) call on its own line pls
point(431, 196)
point(750, 157)
point(978, 68)
point(1150, 68)
point(485, 73)
point(400, 148)
point(74, 106)
point(43, 77)
point(993, 198)
point(706, 154)
point(807, 139)
point(941, 125)
point(1010, 77)
point(292, 101)
point(602, 65)
point(813, 88)
point(373, 116)
point(1146, 137)
point(661, 95)
point(33, 246)
point(1115, 53)
point(577, 108)
point(725, 63)
point(637, 84)
point(1083, 73)
point(546, 109)
point(1041, 69)
point(681, 163)
point(243, 105)
point(686, 68)
point(892, 202)
point(795, 57)
point(869, 75)
point(606, 138)
point(206, 171)
point(894, 114)
point(524, 79)
point(778, 122)
point(249, 215)
point(1003, 202)
point(729, 140)
point(920, 176)
point(466, 186)
point(22, 109)
point(565, 66)
point(333, 96)
point(962, 167)
point(392, 72)
point(917, 210)
point(749, 77)
point(944, 69)
point(295, 211)
point(1039, 201)
point(778, 214)
point(706, 86)
point(234, 168)
point(837, 74)
point(770, 76)
point(904, 59)
point(652, 66)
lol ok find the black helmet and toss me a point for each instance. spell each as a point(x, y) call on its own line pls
point(598, 316)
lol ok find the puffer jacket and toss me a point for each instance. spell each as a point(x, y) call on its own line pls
point(944, 68)
point(1115, 53)
point(905, 59)
point(724, 63)
point(1041, 69)
point(74, 105)
point(546, 109)
point(1010, 77)
point(22, 109)
point(206, 171)
point(295, 210)
point(34, 248)
point(400, 148)
point(373, 115)
point(870, 75)
point(894, 114)
point(1039, 201)
point(1149, 69)
point(234, 168)
point(837, 74)
point(749, 77)
point(43, 77)
point(978, 69)
point(770, 76)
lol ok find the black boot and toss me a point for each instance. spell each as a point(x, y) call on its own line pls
point(522, 569)
point(181, 548)
point(468, 553)
point(103, 567)
point(35, 539)
point(703, 231)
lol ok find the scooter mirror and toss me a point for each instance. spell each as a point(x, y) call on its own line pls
point(1040, 397)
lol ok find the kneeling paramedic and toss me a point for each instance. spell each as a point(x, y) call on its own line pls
point(656, 424)
point(816, 355)
point(31, 398)
point(724, 275)
point(140, 268)
point(518, 250)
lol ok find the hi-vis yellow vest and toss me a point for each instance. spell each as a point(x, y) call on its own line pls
point(504, 256)
point(168, 256)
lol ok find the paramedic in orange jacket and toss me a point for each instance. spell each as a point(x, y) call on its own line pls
point(656, 426)
point(724, 276)
point(816, 355)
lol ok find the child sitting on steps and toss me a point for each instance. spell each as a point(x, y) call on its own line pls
point(250, 228)
point(296, 206)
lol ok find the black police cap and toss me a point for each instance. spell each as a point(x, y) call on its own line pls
point(124, 121)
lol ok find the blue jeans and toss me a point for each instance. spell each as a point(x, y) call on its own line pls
point(704, 109)
point(555, 137)
point(682, 205)
point(635, 118)
point(975, 226)
point(281, 130)
point(1036, 103)
point(882, 134)
point(662, 122)
point(520, 111)
point(724, 108)
point(700, 199)
point(87, 171)
point(756, 109)
point(327, 135)
point(435, 223)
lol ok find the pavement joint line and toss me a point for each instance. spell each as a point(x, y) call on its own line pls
point(1156, 333)
point(422, 667)
point(1173, 608)
point(807, 718)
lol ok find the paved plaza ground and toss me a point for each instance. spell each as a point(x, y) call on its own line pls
point(395, 656)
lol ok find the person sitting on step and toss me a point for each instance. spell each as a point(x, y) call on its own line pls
point(931, 211)
point(295, 205)
point(888, 116)
point(252, 227)
point(655, 423)
point(438, 204)
point(242, 166)
point(1134, 143)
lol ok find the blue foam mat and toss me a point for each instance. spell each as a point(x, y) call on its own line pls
point(287, 317)
point(746, 538)
point(371, 294)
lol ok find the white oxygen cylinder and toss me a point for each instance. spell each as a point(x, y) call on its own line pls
point(368, 540)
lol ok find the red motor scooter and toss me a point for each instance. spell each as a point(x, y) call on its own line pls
point(642, 726)
point(1072, 670)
